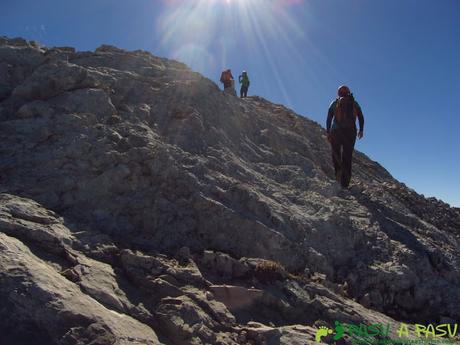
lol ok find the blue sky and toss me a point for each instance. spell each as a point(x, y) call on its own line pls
point(399, 57)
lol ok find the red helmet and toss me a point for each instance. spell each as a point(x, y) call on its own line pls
point(343, 91)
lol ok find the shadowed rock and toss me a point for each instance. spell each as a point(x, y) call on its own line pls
point(132, 185)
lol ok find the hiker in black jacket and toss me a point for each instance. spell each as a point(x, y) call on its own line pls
point(342, 132)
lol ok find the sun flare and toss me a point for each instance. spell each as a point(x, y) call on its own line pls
point(202, 33)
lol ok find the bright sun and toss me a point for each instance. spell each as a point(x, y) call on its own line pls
point(204, 33)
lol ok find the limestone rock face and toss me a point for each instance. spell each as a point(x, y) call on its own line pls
point(142, 205)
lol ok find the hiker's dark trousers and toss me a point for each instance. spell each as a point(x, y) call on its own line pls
point(244, 91)
point(343, 143)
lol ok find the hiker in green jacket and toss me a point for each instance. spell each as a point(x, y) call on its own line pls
point(342, 132)
point(244, 81)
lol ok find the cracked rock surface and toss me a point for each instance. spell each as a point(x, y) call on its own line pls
point(141, 205)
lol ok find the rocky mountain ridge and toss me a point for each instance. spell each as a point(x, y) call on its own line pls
point(141, 205)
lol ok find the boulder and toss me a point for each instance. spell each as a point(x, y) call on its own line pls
point(40, 296)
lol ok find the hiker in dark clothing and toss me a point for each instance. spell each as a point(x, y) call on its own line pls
point(342, 132)
point(244, 81)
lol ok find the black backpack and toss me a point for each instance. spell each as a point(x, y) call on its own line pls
point(345, 111)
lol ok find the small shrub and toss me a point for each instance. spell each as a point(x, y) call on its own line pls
point(270, 271)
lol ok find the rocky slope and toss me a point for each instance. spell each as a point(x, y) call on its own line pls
point(141, 205)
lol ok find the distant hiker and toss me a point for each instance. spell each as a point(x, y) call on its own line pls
point(244, 81)
point(226, 78)
point(342, 134)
